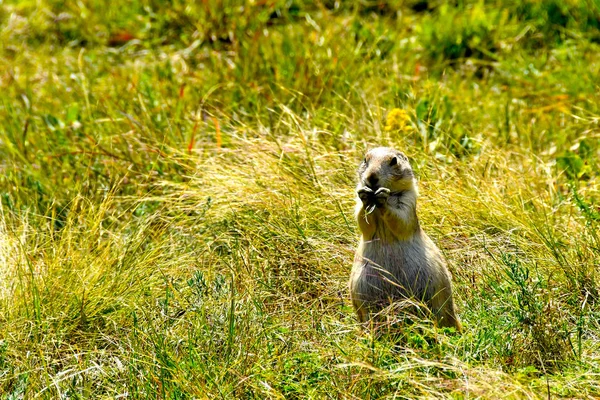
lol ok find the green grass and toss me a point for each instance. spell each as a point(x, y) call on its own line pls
point(177, 189)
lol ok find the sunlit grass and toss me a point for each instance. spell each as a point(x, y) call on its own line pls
point(177, 188)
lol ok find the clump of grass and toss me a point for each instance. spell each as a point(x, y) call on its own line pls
point(558, 20)
point(452, 33)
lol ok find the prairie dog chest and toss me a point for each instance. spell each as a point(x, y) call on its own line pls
point(389, 255)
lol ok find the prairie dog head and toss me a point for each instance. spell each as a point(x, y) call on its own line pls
point(387, 168)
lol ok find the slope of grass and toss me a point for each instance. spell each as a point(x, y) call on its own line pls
point(177, 188)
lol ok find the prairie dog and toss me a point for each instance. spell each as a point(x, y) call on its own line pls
point(395, 259)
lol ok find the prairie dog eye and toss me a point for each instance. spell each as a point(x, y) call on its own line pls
point(394, 161)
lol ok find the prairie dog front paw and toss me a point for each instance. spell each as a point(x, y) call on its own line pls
point(365, 195)
point(381, 196)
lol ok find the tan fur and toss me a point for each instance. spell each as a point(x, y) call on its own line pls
point(395, 259)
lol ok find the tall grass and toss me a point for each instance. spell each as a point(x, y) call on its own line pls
point(177, 186)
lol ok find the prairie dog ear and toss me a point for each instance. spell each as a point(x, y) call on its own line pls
point(401, 156)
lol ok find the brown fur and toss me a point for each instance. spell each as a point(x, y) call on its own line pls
point(395, 260)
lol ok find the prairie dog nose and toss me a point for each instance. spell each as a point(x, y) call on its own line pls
point(372, 180)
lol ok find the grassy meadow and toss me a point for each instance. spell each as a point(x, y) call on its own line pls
point(177, 189)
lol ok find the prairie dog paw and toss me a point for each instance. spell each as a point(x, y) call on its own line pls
point(365, 194)
point(381, 196)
